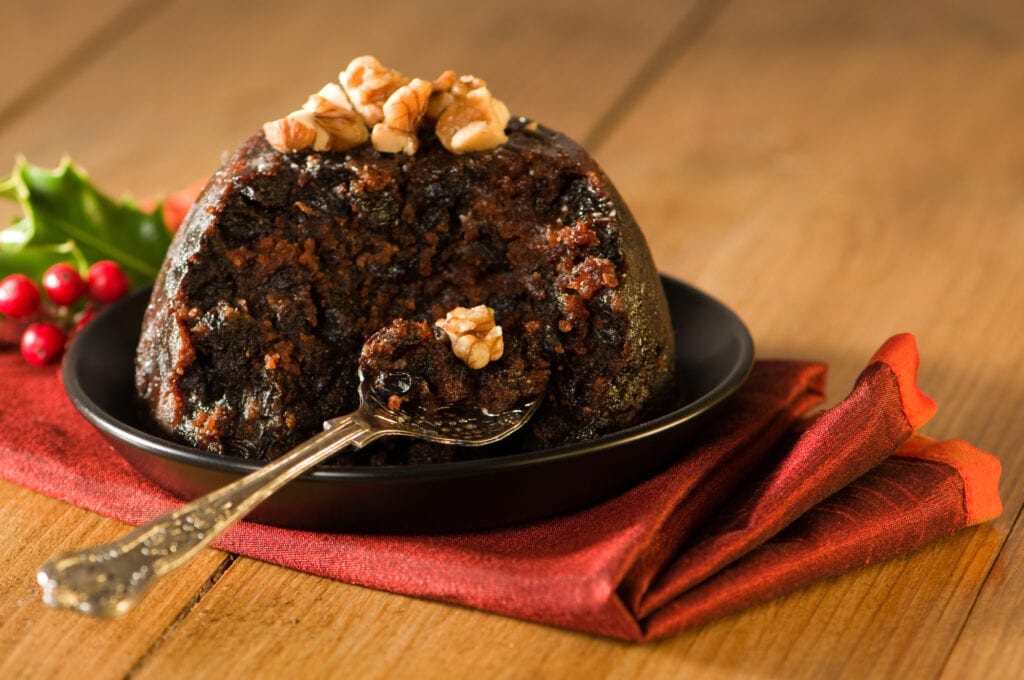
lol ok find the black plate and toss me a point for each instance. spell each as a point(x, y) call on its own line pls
point(714, 354)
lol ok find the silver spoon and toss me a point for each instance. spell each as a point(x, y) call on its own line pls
point(107, 581)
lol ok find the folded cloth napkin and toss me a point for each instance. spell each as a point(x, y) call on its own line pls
point(765, 501)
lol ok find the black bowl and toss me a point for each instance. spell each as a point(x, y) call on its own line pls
point(714, 355)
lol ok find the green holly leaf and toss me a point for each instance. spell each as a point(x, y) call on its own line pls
point(67, 219)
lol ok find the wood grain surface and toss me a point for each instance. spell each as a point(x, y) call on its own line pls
point(835, 172)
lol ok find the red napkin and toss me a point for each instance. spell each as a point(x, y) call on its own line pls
point(765, 501)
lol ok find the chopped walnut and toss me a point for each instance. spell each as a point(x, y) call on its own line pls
point(368, 84)
point(474, 336)
point(325, 122)
point(448, 88)
point(380, 104)
point(444, 82)
point(402, 114)
point(298, 130)
point(331, 92)
point(439, 101)
point(464, 84)
point(474, 121)
point(441, 96)
point(334, 114)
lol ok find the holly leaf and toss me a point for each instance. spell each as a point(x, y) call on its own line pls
point(67, 219)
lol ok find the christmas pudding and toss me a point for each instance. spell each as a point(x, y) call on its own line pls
point(387, 198)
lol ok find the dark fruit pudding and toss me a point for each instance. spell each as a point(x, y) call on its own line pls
point(290, 260)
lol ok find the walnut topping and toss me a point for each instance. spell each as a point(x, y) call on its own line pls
point(474, 336)
point(473, 121)
point(402, 114)
point(441, 97)
point(295, 131)
point(444, 82)
point(333, 113)
point(373, 97)
point(333, 95)
point(325, 122)
point(368, 84)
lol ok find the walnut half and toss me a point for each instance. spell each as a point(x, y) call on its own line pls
point(475, 338)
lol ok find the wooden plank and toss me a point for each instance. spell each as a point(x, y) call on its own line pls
point(40, 40)
point(990, 645)
point(160, 109)
point(306, 625)
point(839, 173)
point(46, 44)
point(293, 625)
point(36, 641)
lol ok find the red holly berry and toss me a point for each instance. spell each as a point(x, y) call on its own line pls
point(42, 343)
point(107, 282)
point(19, 297)
point(64, 284)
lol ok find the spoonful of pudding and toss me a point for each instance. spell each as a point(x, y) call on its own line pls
point(416, 380)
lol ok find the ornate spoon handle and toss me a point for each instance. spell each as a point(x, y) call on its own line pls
point(108, 580)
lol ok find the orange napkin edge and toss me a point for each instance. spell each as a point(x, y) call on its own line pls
point(979, 471)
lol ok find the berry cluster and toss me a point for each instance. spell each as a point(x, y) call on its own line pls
point(51, 323)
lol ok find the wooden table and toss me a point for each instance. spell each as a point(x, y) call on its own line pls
point(836, 172)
